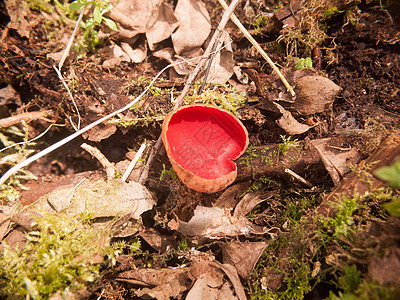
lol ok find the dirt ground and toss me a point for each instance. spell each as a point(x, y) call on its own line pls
point(326, 235)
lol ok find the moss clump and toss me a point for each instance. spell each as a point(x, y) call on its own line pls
point(61, 253)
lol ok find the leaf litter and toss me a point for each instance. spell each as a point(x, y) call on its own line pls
point(174, 33)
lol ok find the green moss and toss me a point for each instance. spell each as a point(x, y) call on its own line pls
point(59, 254)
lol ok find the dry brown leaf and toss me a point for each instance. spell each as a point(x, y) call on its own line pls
point(101, 198)
point(288, 123)
point(154, 277)
point(214, 222)
point(206, 286)
point(9, 96)
point(222, 66)
point(244, 256)
point(165, 291)
point(194, 26)
point(336, 161)
point(232, 195)
point(136, 55)
point(158, 242)
point(133, 15)
point(101, 132)
point(17, 11)
point(161, 24)
point(315, 94)
point(251, 200)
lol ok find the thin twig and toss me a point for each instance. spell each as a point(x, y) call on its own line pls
point(298, 178)
point(225, 18)
point(72, 99)
point(96, 153)
point(259, 49)
point(210, 60)
point(71, 40)
point(133, 162)
point(27, 117)
point(33, 139)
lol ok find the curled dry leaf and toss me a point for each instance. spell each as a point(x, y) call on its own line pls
point(288, 123)
point(194, 25)
point(136, 55)
point(133, 15)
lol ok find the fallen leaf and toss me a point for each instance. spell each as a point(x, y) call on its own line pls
point(157, 241)
point(194, 26)
point(9, 96)
point(161, 24)
point(165, 291)
point(251, 200)
point(222, 66)
point(206, 287)
point(101, 198)
point(244, 256)
point(315, 94)
point(336, 160)
point(136, 55)
point(133, 15)
point(214, 222)
point(18, 11)
point(288, 123)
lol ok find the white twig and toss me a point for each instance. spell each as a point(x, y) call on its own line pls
point(71, 40)
point(72, 99)
point(134, 161)
point(31, 140)
point(84, 129)
point(298, 178)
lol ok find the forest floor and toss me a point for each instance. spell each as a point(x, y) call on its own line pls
point(314, 210)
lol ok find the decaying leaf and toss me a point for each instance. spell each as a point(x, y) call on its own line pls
point(244, 256)
point(214, 222)
point(161, 24)
point(251, 200)
point(206, 287)
point(9, 96)
point(194, 25)
point(222, 65)
point(133, 15)
point(136, 55)
point(335, 159)
point(100, 198)
point(315, 94)
point(288, 123)
point(18, 10)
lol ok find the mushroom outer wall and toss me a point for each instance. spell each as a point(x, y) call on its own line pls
point(201, 142)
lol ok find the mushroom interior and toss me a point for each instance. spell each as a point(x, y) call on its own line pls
point(205, 140)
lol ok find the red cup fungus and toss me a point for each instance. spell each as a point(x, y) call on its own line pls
point(201, 142)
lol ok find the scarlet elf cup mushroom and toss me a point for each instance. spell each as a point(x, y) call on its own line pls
point(202, 141)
